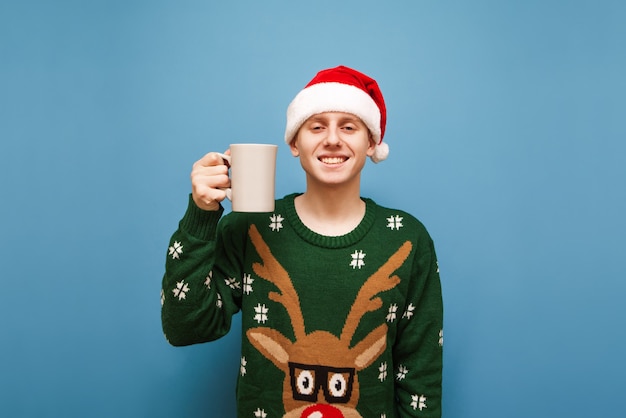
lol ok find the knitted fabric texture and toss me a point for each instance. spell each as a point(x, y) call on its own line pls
point(347, 326)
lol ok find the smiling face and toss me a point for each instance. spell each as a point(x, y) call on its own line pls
point(333, 148)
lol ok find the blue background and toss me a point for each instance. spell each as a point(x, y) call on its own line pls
point(507, 128)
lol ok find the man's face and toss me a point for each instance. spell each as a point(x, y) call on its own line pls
point(333, 147)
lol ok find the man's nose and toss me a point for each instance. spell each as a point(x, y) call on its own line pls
point(333, 137)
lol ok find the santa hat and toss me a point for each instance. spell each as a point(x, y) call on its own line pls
point(341, 89)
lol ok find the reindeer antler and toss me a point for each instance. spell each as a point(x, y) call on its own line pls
point(273, 272)
point(378, 282)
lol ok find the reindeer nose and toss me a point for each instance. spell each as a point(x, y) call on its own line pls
point(321, 411)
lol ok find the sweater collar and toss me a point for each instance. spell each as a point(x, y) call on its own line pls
point(329, 241)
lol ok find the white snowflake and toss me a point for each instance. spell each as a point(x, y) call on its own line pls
point(260, 413)
point(437, 267)
point(232, 283)
point(383, 415)
point(242, 368)
point(276, 222)
point(261, 313)
point(162, 297)
point(408, 313)
point(395, 222)
point(402, 372)
point(418, 401)
point(207, 280)
point(391, 316)
point(383, 371)
point(441, 338)
point(218, 302)
point(176, 250)
point(357, 259)
point(181, 290)
point(247, 283)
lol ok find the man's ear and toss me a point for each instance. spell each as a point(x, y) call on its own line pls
point(372, 146)
point(293, 147)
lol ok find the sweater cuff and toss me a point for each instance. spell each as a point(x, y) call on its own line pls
point(200, 223)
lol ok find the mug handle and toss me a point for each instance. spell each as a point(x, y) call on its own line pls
point(228, 190)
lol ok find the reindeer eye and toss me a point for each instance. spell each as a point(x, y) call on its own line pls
point(305, 382)
point(337, 385)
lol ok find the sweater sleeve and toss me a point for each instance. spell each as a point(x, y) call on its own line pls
point(418, 350)
point(196, 306)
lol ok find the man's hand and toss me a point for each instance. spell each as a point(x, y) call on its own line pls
point(209, 179)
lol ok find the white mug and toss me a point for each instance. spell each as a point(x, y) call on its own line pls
point(252, 177)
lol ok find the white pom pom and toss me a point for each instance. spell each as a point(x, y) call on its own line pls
point(380, 152)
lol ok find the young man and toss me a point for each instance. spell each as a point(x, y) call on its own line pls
point(340, 297)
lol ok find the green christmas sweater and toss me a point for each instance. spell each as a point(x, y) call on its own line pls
point(347, 326)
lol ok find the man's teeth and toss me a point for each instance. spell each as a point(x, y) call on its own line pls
point(332, 160)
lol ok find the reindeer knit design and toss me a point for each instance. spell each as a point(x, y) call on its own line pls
point(347, 326)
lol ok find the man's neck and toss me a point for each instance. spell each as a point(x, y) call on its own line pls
point(331, 212)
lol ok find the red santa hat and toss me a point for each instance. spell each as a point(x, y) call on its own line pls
point(341, 89)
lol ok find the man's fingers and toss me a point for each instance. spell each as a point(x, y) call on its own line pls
point(209, 179)
point(211, 159)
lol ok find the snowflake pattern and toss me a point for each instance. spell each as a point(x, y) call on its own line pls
point(394, 222)
point(181, 289)
point(242, 368)
point(276, 222)
point(176, 250)
point(408, 313)
point(391, 316)
point(382, 369)
point(232, 283)
point(260, 413)
point(219, 302)
point(357, 259)
point(402, 372)
point(247, 284)
point(418, 402)
point(260, 313)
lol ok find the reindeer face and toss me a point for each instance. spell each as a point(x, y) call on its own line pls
point(321, 369)
point(318, 367)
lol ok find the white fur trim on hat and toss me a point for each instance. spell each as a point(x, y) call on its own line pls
point(334, 97)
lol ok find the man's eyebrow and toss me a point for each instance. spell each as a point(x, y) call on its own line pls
point(342, 119)
point(350, 118)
